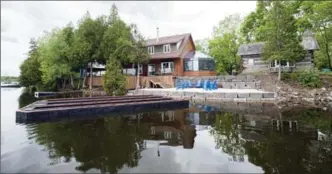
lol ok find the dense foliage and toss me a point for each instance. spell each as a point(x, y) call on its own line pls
point(114, 80)
point(280, 24)
point(225, 43)
point(56, 59)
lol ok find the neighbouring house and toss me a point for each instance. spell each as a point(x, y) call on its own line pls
point(171, 56)
point(251, 55)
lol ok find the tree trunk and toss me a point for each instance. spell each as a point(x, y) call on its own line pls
point(72, 81)
point(328, 55)
point(327, 49)
point(279, 71)
point(90, 75)
point(137, 80)
point(84, 78)
point(63, 83)
point(79, 84)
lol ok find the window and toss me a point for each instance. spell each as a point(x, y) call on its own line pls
point(167, 67)
point(251, 61)
point(167, 48)
point(188, 65)
point(206, 64)
point(167, 135)
point(201, 64)
point(151, 50)
point(284, 63)
point(151, 69)
point(178, 44)
point(140, 69)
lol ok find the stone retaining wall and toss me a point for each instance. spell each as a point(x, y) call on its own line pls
point(199, 96)
point(228, 81)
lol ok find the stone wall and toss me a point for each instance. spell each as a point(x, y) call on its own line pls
point(209, 96)
point(228, 81)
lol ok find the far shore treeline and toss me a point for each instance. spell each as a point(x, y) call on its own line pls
point(56, 58)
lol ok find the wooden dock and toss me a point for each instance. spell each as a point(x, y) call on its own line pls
point(54, 109)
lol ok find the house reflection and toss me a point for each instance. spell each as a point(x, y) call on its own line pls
point(168, 128)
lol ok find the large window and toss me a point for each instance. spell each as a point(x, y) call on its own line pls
point(151, 50)
point(199, 65)
point(206, 64)
point(167, 48)
point(191, 65)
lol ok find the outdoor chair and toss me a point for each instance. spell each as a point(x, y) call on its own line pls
point(199, 84)
point(188, 84)
point(207, 85)
point(214, 85)
point(179, 84)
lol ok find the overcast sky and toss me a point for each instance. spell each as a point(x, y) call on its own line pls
point(21, 21)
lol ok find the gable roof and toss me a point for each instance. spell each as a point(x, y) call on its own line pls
point(250, 49)
point(308, 43)
point(169, 40)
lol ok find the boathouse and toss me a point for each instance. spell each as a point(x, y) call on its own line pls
point(251, 55)
point(171, 56)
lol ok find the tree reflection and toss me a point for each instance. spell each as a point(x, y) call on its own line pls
point(226, 132)
point(26, 98)
point(106, 144)
point(296, 152)
point(278, 150)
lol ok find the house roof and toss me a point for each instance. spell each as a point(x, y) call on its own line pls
point(166, 40)
point(250, 49)
point(197, 55)
point(169, 40)
point(309, 42)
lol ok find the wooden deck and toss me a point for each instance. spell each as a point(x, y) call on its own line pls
point(51, 109)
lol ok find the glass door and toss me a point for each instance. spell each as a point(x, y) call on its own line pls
point(151, 70)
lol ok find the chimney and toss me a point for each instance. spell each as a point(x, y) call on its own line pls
point(157, 34)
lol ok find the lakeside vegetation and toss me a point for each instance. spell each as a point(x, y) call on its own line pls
point(57, 58)
point(280, 24)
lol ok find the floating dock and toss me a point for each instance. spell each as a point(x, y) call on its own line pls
point(54, 109)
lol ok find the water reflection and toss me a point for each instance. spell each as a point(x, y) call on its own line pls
point(294, 141)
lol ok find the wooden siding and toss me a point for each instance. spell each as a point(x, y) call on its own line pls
point(199, 73)
point(131, 81)
point(99, 81)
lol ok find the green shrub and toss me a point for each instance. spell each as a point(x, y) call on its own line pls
point(309, 78)
point(114, 80)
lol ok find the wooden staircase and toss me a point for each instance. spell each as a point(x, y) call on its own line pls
point(157, 83)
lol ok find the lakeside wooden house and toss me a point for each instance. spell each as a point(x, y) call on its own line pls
point(251, 55)
point(171, 56)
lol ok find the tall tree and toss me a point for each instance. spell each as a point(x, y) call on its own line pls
point(30, 75)
point(202, 45)
point(225, 43)
point(133, 50)
point(252, 28)
point(283, 43)
point(321, 19)
point(89, 37)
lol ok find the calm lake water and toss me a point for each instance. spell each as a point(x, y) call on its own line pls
point(218, 138)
